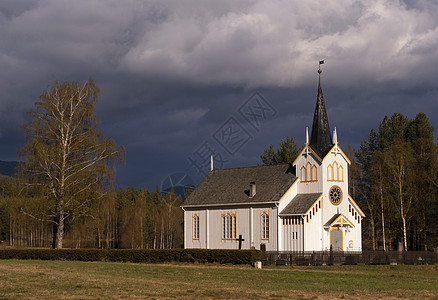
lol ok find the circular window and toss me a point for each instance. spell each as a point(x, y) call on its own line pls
point(335, 195)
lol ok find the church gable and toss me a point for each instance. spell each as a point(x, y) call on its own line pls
point(307, 152)
point(336, 152)
point(338, 220)
point(309, 170)
point(307, 164)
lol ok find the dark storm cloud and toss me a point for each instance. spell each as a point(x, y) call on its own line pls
point(171, 72)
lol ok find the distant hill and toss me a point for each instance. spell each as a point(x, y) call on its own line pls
point(8, 167)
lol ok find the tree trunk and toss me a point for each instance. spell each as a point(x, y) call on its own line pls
point(60, 230)
point(405, 243)
point(162, 234)
point(382, 207)
point(11, 243)
point(373, 233)
point(383, 222)
point(141, 232)
point(424, 230)
point(155, 235)
point(108, 228)
point(168, 227)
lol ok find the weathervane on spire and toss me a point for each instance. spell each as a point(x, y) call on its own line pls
point(321, 62)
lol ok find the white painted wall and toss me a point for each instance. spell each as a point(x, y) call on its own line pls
point(212, 231)
point(292, 234)
point(289, 195)
point(312, 228)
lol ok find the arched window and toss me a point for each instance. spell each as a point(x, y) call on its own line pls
point(229, 226)
point(330, 173)
point(303, 174)
point(314, 173)
point(335, 172)
point(309, 173)
point(265, 226)
point(196, 227)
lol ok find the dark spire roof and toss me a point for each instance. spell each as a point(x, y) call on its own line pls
point(321, 139)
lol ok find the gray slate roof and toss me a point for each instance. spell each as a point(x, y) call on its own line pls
point(231, 186)
point(300, 204)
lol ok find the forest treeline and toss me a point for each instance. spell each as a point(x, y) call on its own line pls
point(394, 177)
point(131, 218)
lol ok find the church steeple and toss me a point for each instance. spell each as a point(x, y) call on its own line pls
point(320, 140)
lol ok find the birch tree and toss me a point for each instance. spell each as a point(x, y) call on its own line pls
point(66, 154)
point(379, 181)
point(398, 161)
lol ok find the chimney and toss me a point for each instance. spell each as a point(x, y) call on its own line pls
point(252, 189)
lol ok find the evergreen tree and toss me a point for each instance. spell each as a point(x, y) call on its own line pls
point(420, 134)
point(286, 153)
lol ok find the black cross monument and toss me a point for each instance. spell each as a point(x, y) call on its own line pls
point(240, 240)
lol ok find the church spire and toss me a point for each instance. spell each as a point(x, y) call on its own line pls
point(320, 140)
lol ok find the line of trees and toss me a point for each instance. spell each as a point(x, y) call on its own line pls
point(395, 178)
point(64, 192)
point(130, 218)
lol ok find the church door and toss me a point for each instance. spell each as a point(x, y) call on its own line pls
point(336, 239)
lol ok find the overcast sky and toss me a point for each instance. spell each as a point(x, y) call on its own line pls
point(180, 79)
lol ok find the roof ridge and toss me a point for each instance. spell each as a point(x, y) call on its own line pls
point(248, 167)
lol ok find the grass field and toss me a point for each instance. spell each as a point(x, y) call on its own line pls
point(82, 280)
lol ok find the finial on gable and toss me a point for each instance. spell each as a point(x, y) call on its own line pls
point(307, 135)
point(211, 163)
point(307, 142)
point(335, 137)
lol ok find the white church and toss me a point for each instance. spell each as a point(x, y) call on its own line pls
point(302, 206)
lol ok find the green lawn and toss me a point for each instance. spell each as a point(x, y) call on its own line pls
point(82, 280)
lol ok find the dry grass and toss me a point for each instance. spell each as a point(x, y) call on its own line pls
point(81, 280)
